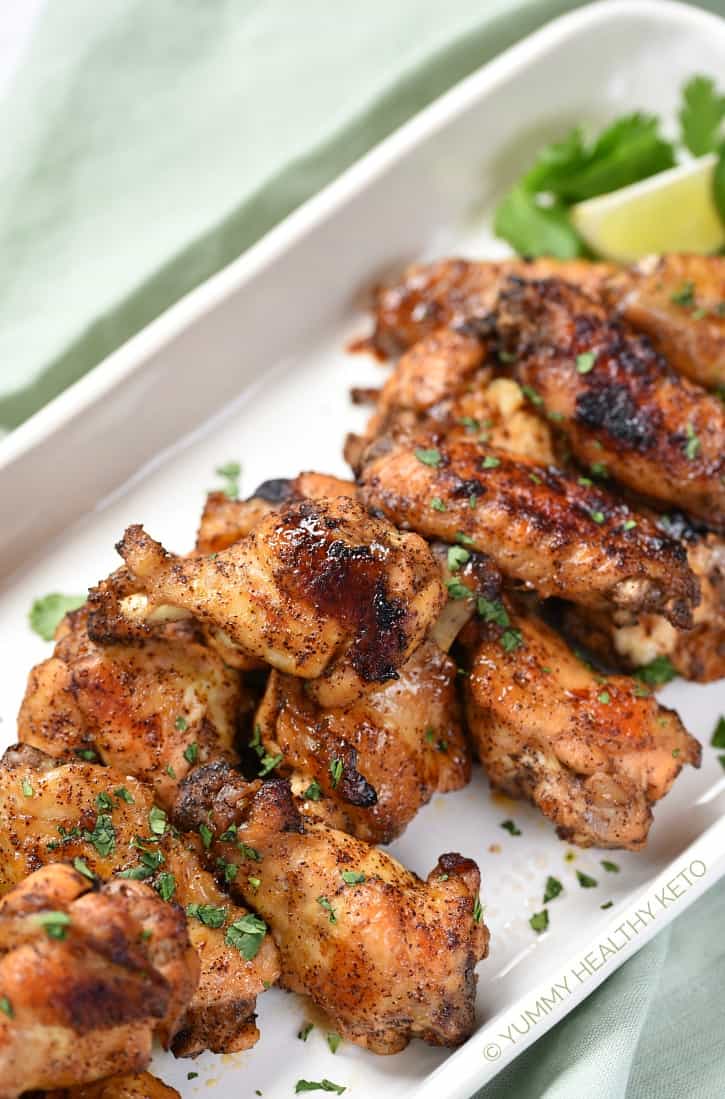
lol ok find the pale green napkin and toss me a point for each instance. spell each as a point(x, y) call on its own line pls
point(146, 143)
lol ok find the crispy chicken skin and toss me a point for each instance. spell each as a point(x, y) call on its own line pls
point(320, 590)
point(593, 754)
point(697, 654)
point(139, 1086)
point(151, 708)
point(616, 399)
point(90, 975)
point(538, 525)
point(676, 299)
point(80, 810)
point(395, 747)
point(387, 956)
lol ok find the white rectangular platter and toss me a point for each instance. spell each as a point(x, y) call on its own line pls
point(252, 367)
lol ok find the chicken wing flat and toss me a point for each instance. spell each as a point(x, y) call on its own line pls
point(139, 1086)
point(368, 768)
point(538, 525)
point(87, 977)
point(615, 398)
point(320, 590)
point(108, 820)
point(592, 753)
point(152, 708)
point(676, 299)
point(387, 956)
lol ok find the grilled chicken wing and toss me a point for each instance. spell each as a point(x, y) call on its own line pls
point(82, 811)
point(367, 768)
point(387, 956)
point(151, 708)
point(320, 590)
point(87, 977)
point(139, 1086)
point(616, 399)
point(537, 524)
point(593, 754)
point(676, 299)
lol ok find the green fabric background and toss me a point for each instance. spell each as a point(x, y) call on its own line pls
point(146, 144)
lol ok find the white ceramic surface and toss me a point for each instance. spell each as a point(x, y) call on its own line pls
point(252, 367)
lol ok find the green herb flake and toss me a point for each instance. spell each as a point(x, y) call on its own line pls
point(83, 868)
point(336, 769)
point(552, 890)
point(325, 903)
point(191, 1075)
point(255, 883)
point(701, 114)
point(47, 612)
point(604, 697)
point(492, 610)
point(684, 295)
point(333, 1041)
point(230, 473)
point(539, 921)
point(305, 1030)
point(607, 904)
point(211, 915)
point(123, 795)
point(6, 1007)
point(103, 836)
point(170, 771)
point(313, 791)
point(457, 590)
point(718, 734)
point(431, 457)
point(692, 445)
point(472, 501)
point(511, 827)
point(157, 821)
point(319, 1085)
point(26, 788)
point(535, 478)
point(250, 852)
point(630, 524)
point(268, 763)
point(477, 909)
point(206, 835)
point(490, 462)
point(658, 672)
point(585, 362)
point(165, 885)
point(104, 802)
point(86, 754)
point(437, 504)
point(55, 924)
point(191, 753)
point(597, 516)
point(511, 640)
point(229, 835)
point(585, 881)
point(457, 557)
point(352, 877)
point(610, 867)
point(247, 935)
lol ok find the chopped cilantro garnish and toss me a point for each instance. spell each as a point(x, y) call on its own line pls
point(86, 754)
point(230, 473)
point(268, 763)
point(552, 890)
point(607, 904)
point(157, 821)
point(83, 868)
point(206, 835)
point(457, 556)
point(319, 1085)
point(250, 852)
point(26, 788)
point(191, 752)
point(352, 877)
point(123, 795)
point(604, 697)
point(103, 836)
point(255, 883)
point(490, 462)
point(610, 867)
point(718, 734)
point(477, 909)
point(491, 610)
point(437, 504)
point(6, 1007)
point(684, 295)
point(511, 640)
point(304, 1032)
point(165, 885)
point(336, 768)
point(585, 881)
point(539, 921)
point(597, 516)
point(246, 934)
point(104, 802)
point(229, 835)
point(46, 613)
point(511, 826)
point(529, 392)
point(55, 924)
point(181, 723)
point(313, 791)
point(658, 672)
point(585, 362)
point(630, 524)
point(333, 1041)
point(325, 903)
point(211, 915)
point(457, 590)
point(431, 457)
point(692, 445)
point(701, 115)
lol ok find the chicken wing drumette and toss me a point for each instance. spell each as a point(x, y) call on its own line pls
point(60, 812)
point(593, 754)
point(387, 956)
point(539, 525)
point(87, 978)
point(319, 590)
point(151, 707)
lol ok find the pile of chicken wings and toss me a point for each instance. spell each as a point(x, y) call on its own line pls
point(208, 764)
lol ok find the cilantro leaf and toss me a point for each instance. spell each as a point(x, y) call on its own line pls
point(536, 230)
point(46, 613)
point(700, 115)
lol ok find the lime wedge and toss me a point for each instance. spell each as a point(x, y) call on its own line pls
point(672, 211)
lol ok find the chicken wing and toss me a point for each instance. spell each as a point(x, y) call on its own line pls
point(538, 525)
point(678, 300)
point(367, 768)
point(87, 977)
point(320, 590)
point(80, 811)
point(152, 708)
point(592, 753)
point(139, 1086)
point(387, 956)
point(615, 398)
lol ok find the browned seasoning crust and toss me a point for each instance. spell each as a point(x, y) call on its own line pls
point(538, 525)
point(387, 956)
point(615, 397)
point(139, 1086)
point(86, 999)
point(593, 753)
